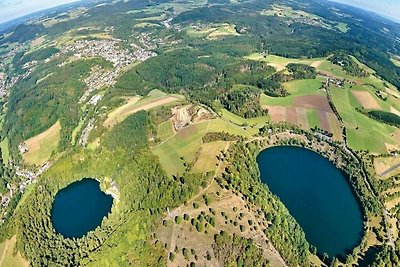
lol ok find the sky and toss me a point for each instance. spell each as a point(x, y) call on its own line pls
point(387, 8)
point(11, 9)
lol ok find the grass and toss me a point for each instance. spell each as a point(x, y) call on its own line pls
point(213, 32)
point(363, 133)
point(184, 145)
point(207, 160)
point(154, 99)
point(223, 30)
point(303, 87)
point(7, 257)
point(5, 151)
point(75, 132)
point(233, 117)
point(281, 62)
point(276, 101)
point(165, 130)
point(395, 61)
point(41, 147)
point(219, 125)
point(313, 118)
point(335, 70)
point(343, 27)
point(182, 148)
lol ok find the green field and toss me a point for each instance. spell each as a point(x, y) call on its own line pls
point(363, 133)
point(282, 62)
point(185, 145)
point(295, 88)
point(313, 118)
point(207, 160)
point(5, 151)
point(154, 99)
point(238, 120)
point(303, 87)
point(343, 27)
point(41, 147)
point(338, 71)
point(188, 141)
point(165, 130)
point(276, 101)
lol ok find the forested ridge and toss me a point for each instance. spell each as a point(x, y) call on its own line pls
point(228, 74)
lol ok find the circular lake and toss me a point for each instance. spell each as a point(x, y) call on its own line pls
point(80, 208)
point(317, 195)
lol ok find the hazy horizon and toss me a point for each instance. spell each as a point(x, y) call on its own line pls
point(387, 8)
point(10, 9)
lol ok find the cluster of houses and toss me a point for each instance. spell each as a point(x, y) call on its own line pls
point(29, 177)
point(110, 51)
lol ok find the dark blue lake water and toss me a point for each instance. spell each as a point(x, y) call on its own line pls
point(317, 195)
point(80, 208)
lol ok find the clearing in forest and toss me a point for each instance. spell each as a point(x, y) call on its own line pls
point(5, 151)
point(207, 160)
point(182, 148)
point(136, 104)
point(212, 31)
point(41, 146)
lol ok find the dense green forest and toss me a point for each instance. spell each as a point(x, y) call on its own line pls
point(242, 176)
point(145, 193)
point(348, 64)
point(216, 72)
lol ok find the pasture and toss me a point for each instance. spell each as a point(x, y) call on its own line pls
point(135, 104)
point(238, 120)
point(363, 133)
point(41, 146)
point(186, 146)
point(213, 31)
point(207, 159)
point(280, 63)
point(5, 151)
point(307, 106)
point(385, 166)
point(165, 130)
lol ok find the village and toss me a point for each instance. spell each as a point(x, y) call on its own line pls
point(99, 78)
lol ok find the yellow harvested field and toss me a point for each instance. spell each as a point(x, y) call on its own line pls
point(8, 257)
point(366, 99)
point(316, 64)
point(394, 111)
point(392, 203)
point(393, 92)
point(392, 191)
point(207, 160)
point(396, 136)
point(222, 31)
point(134, 105)
point(383, 164)
point(41, 146)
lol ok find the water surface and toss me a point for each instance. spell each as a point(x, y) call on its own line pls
point(80, 208)
point(317, 195)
